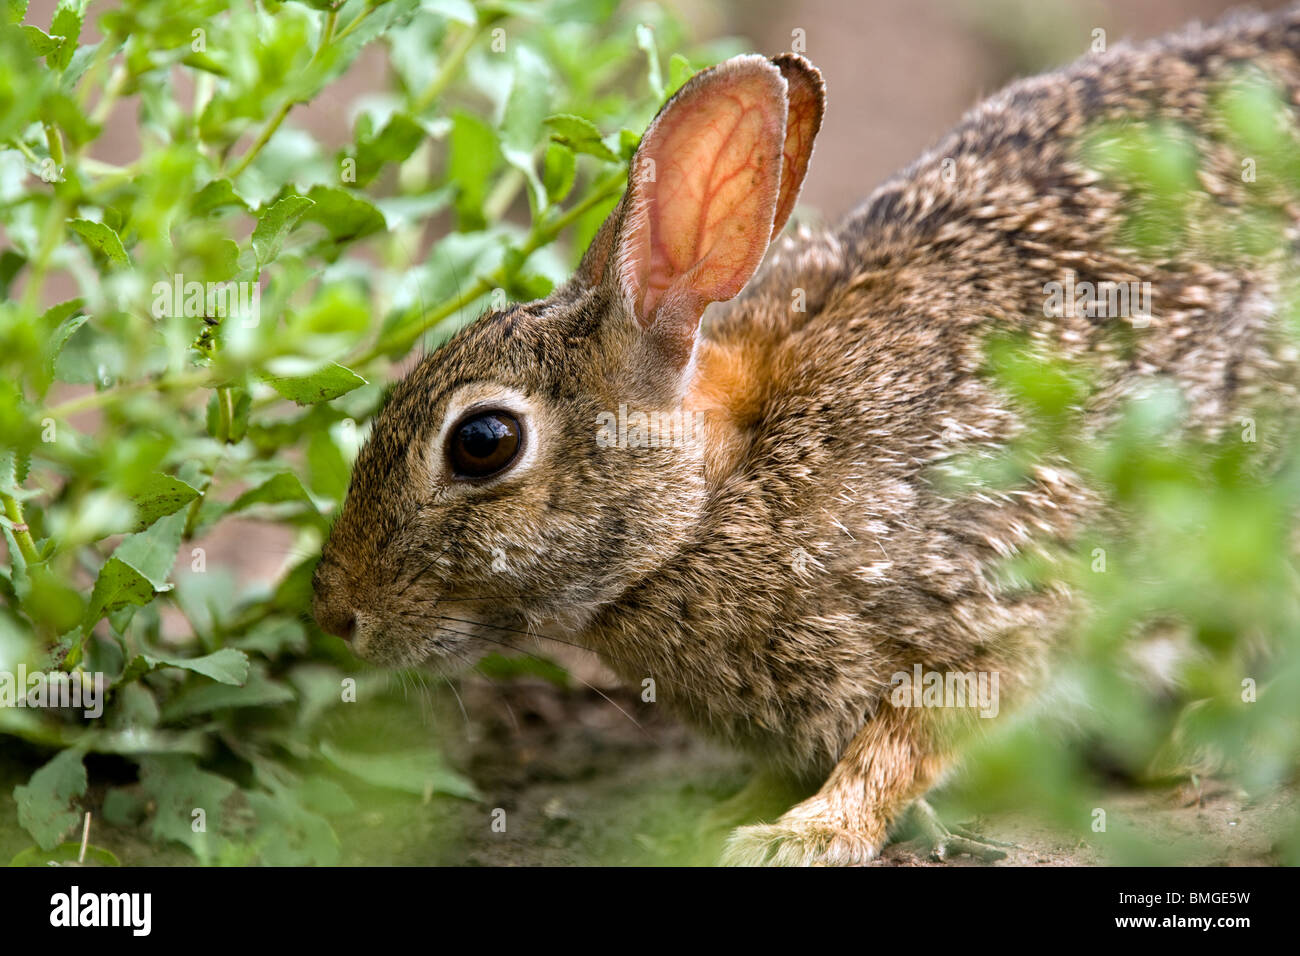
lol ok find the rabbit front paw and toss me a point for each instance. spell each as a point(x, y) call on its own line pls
point(798, 843)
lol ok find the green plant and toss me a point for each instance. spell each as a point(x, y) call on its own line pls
point(1197, 563)
point(198, 336)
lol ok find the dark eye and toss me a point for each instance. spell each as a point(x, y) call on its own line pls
point(484, 444)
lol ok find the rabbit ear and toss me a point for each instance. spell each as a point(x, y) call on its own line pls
point(701, 201)
point(806, 96)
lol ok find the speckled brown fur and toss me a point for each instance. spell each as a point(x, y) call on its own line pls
point(774, 575)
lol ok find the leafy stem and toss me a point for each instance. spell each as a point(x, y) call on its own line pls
point(544, 232)
point(55, 141)
point(451, 64)
point(226, 414)
point(106, 396)
point(22, 534)
point(265, 137)
point(347, 31)
point(328, 39)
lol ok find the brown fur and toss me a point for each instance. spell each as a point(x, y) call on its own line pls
point(772, 577)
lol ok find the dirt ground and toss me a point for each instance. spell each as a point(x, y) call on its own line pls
point(587, 774)
point(581, 783)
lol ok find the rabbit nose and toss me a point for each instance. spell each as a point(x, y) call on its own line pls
point(346, 628)
point(337, 622)
point(334, 617)
point(332, 605)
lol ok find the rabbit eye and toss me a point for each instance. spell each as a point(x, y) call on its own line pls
point(484, 444)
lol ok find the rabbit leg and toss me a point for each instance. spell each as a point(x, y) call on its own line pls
point(886, 766)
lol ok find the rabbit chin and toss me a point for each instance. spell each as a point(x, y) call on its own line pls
point(398, 645)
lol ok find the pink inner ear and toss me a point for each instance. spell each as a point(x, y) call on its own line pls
point(702, 226)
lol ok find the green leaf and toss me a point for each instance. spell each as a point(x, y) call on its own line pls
point(473, 157)
point(325, 796)
point(521, 123)
point(45, 803)
point(177, 788)
point(281, 488)
point(421, 772)
point(530, 94)
point(134, 705)
point(402, 211)
point(137, 570)
point(318, 688)
point(340, 310)
point(62, 321)
point(66, 24)
point(398, 139)
point(152, 552)
point(40, 42)
point(218, 194)
point(142, 740)
point(61, 110)
point(117, 585)
point(159, 495)
point(346, 216)
point(15, 10)
point(292, 835)
point(274, 223)
point(679, 71)
point(257, 691)
point(275, 636)
point(10, 263)
point(559, 169)
point(580, 135)
point(101, 239)
point(66, 854)
point(328, 383)
point(327, 467)
point(628, 141)
point(294, 593)
point(285, 486)
point(226, 666)
point(124, 806)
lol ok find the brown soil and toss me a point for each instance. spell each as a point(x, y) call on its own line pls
point(582, 784)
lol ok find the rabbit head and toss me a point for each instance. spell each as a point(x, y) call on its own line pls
point(546, 458)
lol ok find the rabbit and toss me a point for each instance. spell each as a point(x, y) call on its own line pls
point(714, 463)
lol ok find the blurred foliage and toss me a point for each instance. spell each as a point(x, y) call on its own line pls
point(141, 414)
point(1184, 663)
point(133, 432)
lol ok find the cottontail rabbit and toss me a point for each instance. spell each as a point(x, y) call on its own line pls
point(744, 510)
